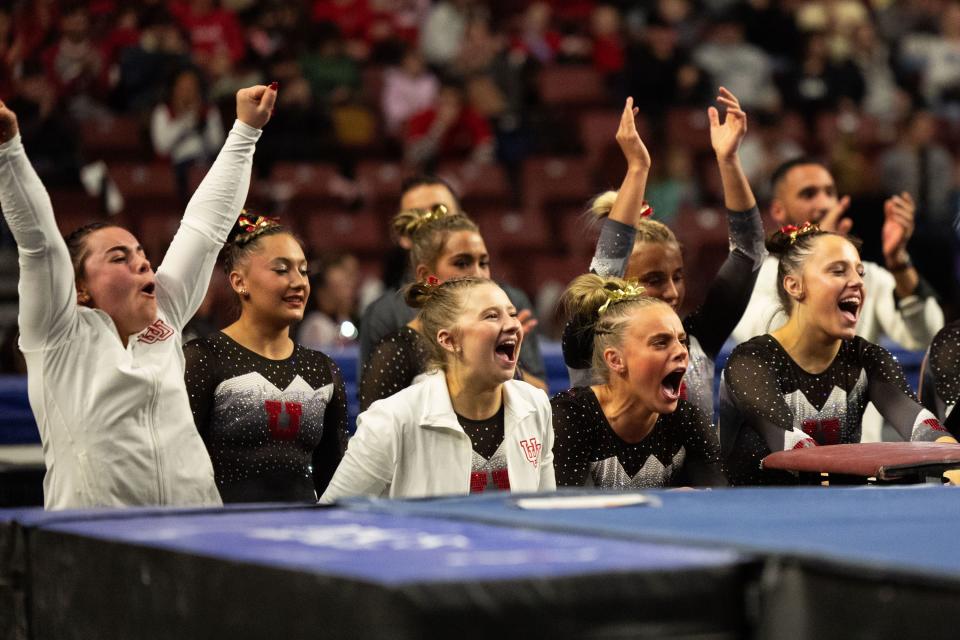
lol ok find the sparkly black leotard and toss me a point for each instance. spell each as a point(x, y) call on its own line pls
point(941, 384)
point(488, 469)
point(682, 449)
point(275, 429)
point(768, 403)
point(393, 365)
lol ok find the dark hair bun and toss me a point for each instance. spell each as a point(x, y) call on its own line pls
point(779, 243)
point(418, 294)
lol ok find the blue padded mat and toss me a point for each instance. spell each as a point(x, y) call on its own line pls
point(387, 548)
point(885, 528)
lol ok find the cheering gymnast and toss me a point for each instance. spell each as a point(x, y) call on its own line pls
point(100, 331)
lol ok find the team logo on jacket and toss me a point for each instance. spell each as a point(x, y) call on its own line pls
point(157, 332)
point(531, 449)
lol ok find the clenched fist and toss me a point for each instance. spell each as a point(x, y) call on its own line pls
point(255, 104)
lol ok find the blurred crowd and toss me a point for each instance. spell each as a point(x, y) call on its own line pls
point(871, 87)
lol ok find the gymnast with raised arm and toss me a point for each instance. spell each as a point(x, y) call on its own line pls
point(100, 331)
point(633, 246)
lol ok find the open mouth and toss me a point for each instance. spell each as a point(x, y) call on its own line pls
point(506, 351)
point(294, 300)
point(148, 288)
point(670, 385)
point(850, 308)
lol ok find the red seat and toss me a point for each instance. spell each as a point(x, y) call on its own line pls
point(556, 180)
point(571, 85)
point(316, 182)
point(73, 209)
point(360, 232)
point(144, 181)
point(119, 138)
point(689, 128)
point(506, 231)
point(477, 183)
point(380, 183)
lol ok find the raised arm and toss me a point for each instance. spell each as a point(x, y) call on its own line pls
point(618, 232)
point(183, 277)
point(729, 293)
point(47, 288)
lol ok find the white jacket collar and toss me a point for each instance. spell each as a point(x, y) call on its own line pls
point(438, 409)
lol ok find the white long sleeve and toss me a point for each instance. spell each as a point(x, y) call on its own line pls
point(48, 305)
point(185, 273)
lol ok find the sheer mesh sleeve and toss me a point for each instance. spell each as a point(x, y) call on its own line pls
point(393, 364)
point(571, 446)
point(333, 442)
point(201, 381)
point(614, 247)
point(751, 379)
point(729, 293)
point(943, 365)
point(893, 398)
point(702, 465)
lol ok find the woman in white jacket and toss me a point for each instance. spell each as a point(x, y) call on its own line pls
point(100, 331)
point(467, 428)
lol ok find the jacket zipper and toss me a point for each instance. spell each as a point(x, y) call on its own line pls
point(156, 440)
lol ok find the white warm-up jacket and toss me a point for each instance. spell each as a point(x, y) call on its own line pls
point(115, 421)
point(411, 445)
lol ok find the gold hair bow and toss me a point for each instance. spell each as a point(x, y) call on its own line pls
point(798, 232)
point(628, 292)
point(250, 223)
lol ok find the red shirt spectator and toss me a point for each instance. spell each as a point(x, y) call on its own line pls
point(354, 18)
point(210, 27)
point(450, 128)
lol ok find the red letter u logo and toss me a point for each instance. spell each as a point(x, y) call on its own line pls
point(275, 409)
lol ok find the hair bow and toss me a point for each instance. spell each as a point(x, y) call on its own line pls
point(628, 292)
point(249, 223)
point(798, 232)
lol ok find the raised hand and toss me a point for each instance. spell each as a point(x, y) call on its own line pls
point(527, 321)
point(833, 219)
point(255, 104)
point(8, 123)
point(726, 137)
point(898, 223)
point(629, 140)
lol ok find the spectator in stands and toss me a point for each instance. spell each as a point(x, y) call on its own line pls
point(335, 286)
point(872, 57)
point(211, 28)
point(272, 412)
point(408, 89)
point(537, 38)
point(921, 165)
point(100, 331)
point(76, 66)
point(144, 67)
point(818, 83)
point(937, 60)
point(608, 46)
point(661, 75)
point(469, 426)
point(898, 303)
point(443, 31)
point(185, 128)
point(448, 129)
point(333, 75)
point(736, 64)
